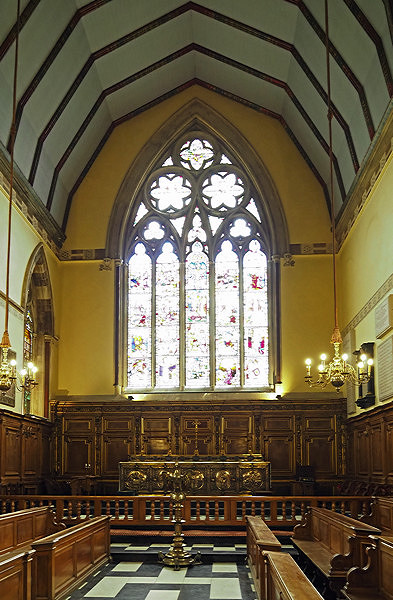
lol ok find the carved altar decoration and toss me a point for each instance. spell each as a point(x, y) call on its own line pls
point(214, 476)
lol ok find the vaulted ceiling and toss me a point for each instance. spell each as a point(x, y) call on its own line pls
point(86, 66)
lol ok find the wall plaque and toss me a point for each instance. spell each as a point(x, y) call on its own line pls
point(384, 316)
point(385, 369)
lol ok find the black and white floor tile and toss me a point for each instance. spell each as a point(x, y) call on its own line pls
point(139, 580)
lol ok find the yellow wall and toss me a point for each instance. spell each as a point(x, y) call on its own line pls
point(86, 330)
point(24, 240)
point(300, 193)
point(366, 260)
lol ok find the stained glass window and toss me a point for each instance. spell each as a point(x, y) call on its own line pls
point(28, 337)
point(198, 309)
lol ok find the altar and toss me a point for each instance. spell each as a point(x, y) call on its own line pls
point(210, 476)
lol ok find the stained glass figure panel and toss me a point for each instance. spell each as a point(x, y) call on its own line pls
point(167, 318)
point(255, 302)
point(227, 317)
point(197, 318)
point(139, 319)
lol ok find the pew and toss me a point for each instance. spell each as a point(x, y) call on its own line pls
point(329, 544)
point(381, 514)
point(284, 579)
point(15, 575)
point(375, 580)
point(20, 528)
point(259, 538)
point(64, 559)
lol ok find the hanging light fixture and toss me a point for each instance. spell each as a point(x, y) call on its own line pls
point(338, 371)
point(8, 373)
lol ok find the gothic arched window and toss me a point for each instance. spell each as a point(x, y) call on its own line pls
point(198, 302)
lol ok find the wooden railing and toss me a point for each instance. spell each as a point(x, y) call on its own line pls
point(200, 511)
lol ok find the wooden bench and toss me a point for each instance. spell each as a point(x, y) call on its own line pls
point(375, 580)
point(259, 538)
point(64, 559)
point(20, 528)
point(283, 579)
point(329, 544)
point(15, 575)
point(381, 514)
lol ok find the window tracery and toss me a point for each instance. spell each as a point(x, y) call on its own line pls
point(198, 302)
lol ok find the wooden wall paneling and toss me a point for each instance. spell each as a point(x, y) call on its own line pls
point(377, 453)
point(118, 443)
point(320, 454)
point(30, 455)
point(362, 452)
point(278, 444)
point(12, 449)
point(196, 434)
point(236, 431)
point(78, 447)
point(156, 435)
point(351, 466)
point(320, 443)
point(22, 439)
point(388, 448)
point(279, 449)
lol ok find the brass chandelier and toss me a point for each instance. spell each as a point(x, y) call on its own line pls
point(338, 371)
point(8, 374)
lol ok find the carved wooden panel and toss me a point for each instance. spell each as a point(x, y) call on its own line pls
point(30, 451)
point(155, 434)
point(320, 454)
point(118, 425)
point(376, 450)
point(278, 423)
point(78, 425)
point(12, 450)
point(236, 431)
point(196, 435)
point(78, 455)
point(319, 423)
point(351, 463)
point(279, 450)
point(115, 449)
point(389, 449)
point(362, 451)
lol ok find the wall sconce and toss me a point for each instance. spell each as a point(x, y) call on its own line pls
point(25, 380)
point(365, 365)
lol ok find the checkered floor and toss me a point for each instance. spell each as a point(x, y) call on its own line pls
point(223, 575)
point(145, 581)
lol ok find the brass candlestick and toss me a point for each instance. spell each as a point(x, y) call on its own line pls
point(177, 556)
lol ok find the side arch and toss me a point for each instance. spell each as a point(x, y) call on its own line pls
point(198, 115)
point(37, 298)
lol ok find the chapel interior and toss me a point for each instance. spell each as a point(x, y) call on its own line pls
point(195, 130)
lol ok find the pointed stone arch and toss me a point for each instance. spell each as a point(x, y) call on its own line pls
point(37, 296)
point(198, 115)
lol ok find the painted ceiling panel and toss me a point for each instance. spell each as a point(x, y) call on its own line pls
point(241, 84)
point(144, 51)
point(145, 90)
point(86, 65)
point(256, 53)
point(116, 19)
